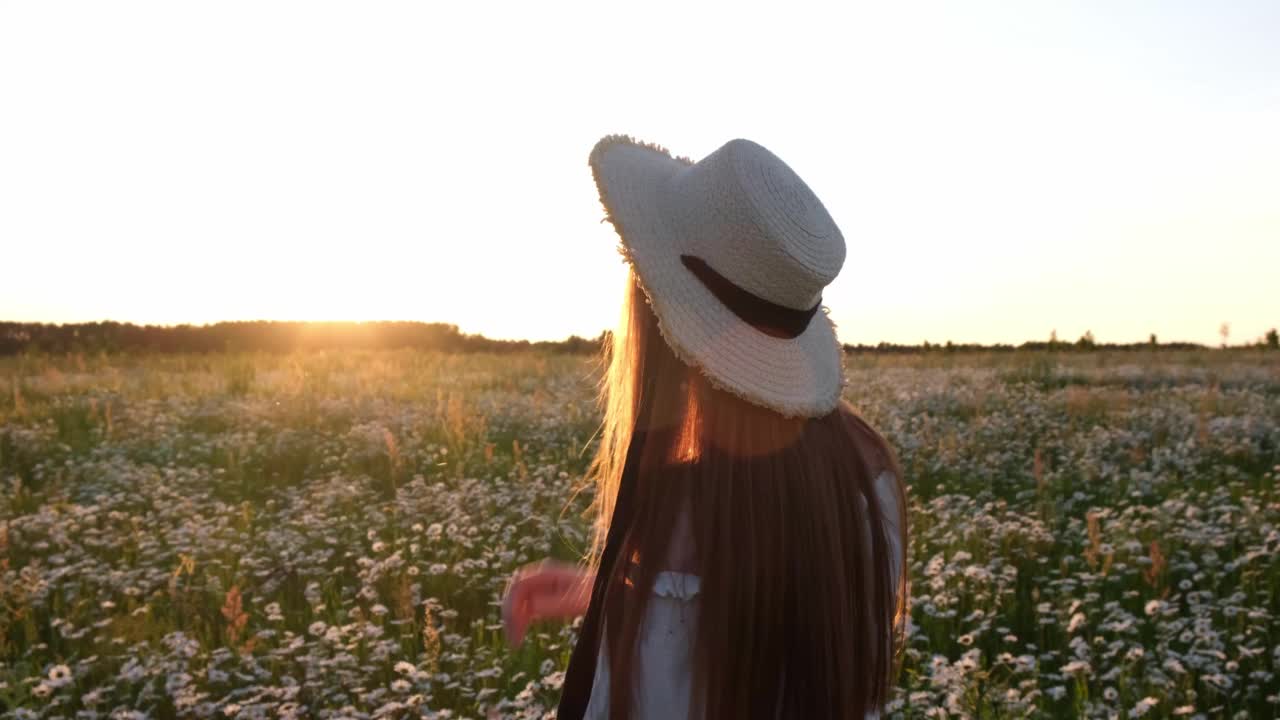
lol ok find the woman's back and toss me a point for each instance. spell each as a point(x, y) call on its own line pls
point(662, 677)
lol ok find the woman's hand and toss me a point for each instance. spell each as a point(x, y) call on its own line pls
point(541, 591)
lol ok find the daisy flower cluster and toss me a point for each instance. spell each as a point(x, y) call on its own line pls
point(328, 535)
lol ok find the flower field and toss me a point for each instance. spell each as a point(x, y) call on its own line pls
point(327, 535)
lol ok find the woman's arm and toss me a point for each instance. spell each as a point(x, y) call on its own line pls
point(542, 591)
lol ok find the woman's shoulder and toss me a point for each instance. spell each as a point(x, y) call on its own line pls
point(871, 446)
point(883, 469)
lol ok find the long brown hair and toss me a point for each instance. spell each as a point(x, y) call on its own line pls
point(791, 601)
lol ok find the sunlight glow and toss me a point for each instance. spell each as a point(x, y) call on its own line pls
point(999, 170)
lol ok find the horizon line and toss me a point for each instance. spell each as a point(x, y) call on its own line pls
point(571, 336)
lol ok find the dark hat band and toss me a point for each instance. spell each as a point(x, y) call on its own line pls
point(768, 317)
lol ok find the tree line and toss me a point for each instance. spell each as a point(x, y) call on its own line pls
point(282, 336)
point(1086, 343)
point(263, 336)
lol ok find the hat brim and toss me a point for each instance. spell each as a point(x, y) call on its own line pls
point(797, 377)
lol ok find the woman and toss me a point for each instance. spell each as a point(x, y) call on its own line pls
point(736, 555)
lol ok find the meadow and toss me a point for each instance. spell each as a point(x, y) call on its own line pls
point(326, 535)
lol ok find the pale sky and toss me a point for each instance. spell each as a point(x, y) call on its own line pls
point(998, 170)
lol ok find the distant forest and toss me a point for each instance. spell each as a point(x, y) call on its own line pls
point(272, 336)
point(264, 336)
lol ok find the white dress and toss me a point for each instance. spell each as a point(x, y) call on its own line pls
point(664, 657)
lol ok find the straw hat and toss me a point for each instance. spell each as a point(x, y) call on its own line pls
point(733, 253)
